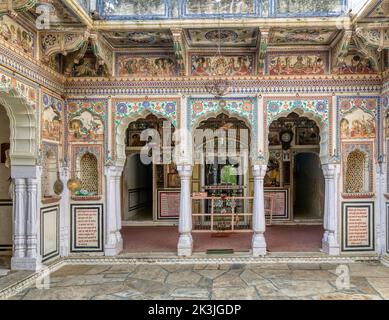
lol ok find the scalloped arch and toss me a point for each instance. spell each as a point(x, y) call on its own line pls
point(23, 127)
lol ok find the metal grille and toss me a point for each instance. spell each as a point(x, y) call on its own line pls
point(355, 172)
point(89, 173)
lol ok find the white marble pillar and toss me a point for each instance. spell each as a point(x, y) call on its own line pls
point(64, 214)
point(330, 240)
point(26, 254)
point(185, 241)
point(113, 239)
point(259, 220)
point(19, 227)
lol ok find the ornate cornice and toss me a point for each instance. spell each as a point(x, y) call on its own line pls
point(252, 85)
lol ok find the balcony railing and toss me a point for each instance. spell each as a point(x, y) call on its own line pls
point(222, 214)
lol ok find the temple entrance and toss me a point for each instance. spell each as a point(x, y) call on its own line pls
point(294, 185)
point(221, 188)
point(5, 181)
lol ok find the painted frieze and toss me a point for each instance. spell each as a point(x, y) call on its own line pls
point(356, 64)
point(308, 7)
point(293, 36)
point(210, 8)
point(226, 65)
point(297, 63)
point(239, 37)
point(17, 35)
point(146, 65)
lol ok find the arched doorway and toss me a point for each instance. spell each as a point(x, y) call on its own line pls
point(150, 189)
point(5, 184)
point(222, 185)
point(294, 185)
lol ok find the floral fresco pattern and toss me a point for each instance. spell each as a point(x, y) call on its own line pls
point(243, 107)
point(167, 108)
point(319, 107)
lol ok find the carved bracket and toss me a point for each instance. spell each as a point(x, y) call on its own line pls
point(262, 50)
point(376, 37)
point(17, 6)
point(340, 50)
point(368, 51)
point(180, 50)
point(53, 43)
point(103, 52)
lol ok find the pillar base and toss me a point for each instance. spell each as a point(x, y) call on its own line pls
point(185, 245)
point(28, 264)
point(330, 247)
point(259, 245)
point(111, 250)
point(385, 261)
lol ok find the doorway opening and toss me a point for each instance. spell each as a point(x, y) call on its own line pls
point(294, 186)
point(309, 186)
point(5, 186)
point(138, 181)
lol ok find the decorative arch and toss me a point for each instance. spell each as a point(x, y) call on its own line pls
point(317, 110)
point(241, 108)
point(23, 126)
point(130, 110)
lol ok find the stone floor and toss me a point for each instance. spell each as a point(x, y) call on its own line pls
point(369, 280)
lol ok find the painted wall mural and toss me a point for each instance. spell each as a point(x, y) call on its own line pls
point(358, 117)
point(297, 63)
point(356, 64)
point(302, 36)
point(134, 9)
point(17, 35)
point(86, 120)
point(51, 125)
point(227, 65)
point(146, 65)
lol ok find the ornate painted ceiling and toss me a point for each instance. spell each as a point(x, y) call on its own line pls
point(186, 34)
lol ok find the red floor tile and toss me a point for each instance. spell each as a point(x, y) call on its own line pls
point(279, 239)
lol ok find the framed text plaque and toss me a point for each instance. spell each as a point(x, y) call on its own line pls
point(87, 227)
point(49, 232)
point(168, 204)
point(358, 226)
point(277, 203)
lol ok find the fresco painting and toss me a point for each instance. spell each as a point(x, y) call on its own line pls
point(207, 65)
point(297, 63)
point(145, 66)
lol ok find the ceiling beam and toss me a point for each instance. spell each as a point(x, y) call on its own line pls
point(80, 12)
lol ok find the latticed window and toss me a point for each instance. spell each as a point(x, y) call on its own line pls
point(357, 180)
point(89, 174)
